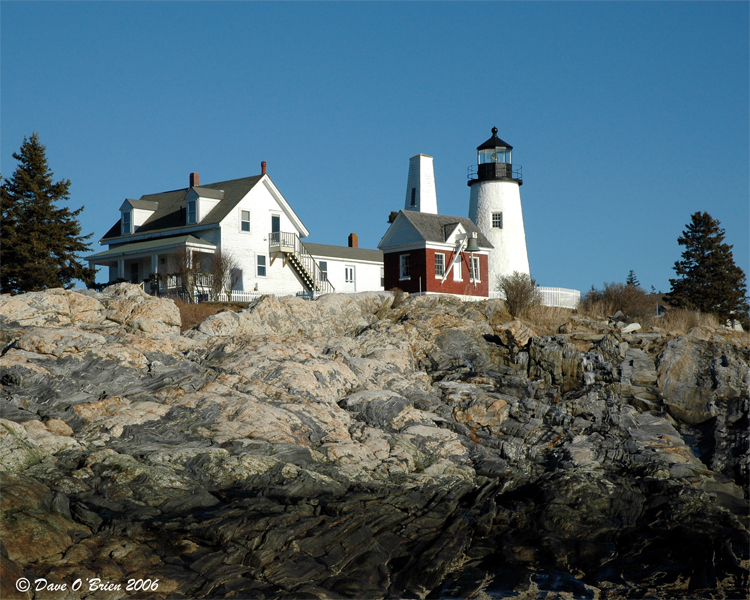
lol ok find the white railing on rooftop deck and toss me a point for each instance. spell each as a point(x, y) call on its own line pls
point(551, 296)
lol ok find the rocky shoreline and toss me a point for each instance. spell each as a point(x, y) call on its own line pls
point(366, 446)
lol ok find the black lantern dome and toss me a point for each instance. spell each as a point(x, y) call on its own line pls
point(495, 162)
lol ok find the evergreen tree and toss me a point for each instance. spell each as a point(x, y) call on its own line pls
point(40, 242)
point(632, 279)
point(708, 280)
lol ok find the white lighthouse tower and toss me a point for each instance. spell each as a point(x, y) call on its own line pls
point(420, 185)
point(495, 207)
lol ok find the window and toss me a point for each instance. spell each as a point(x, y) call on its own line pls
point(261, 265)
point(475, 270)
point(382, 277)
point(497, 220)
point(405, 266)
point(245, 220)
point(126, 223)
point(191, 213)
point(235, 279)
point(323, 264)
point(439, 264)
point(275, 223)
point(350, 278)
point(413, 196)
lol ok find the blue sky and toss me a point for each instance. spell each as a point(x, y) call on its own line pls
point(626, 117)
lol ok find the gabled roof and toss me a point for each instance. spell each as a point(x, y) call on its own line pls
point(438, 228)
point(170, 213)
point(207, 192)
point(322, 250)
point(143, 204)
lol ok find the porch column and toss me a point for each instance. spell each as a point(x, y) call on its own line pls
point(155, 272)
point(121, 268)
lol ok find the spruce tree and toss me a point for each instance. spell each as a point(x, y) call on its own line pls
point(632, 279)
point(708, 280)
point(41, 242)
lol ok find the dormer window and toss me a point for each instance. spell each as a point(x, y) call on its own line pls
point(192, 212)
point(126, 223)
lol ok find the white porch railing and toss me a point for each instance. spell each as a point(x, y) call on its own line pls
point(555, 297)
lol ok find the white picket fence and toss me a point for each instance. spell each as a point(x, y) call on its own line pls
point(551, 296)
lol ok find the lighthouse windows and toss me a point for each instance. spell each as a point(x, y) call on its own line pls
point(497, 220)
point(405, 266)
point(413, 196)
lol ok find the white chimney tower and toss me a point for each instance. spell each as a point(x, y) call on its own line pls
point(495, 207)
point(420, 185)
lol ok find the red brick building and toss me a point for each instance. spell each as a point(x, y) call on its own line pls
point(435, 254)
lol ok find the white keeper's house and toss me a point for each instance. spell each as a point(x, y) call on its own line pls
point(247, 218)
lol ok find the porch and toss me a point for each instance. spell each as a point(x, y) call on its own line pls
point(161, 265)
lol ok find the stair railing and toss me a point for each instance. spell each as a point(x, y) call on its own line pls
point(315, 278)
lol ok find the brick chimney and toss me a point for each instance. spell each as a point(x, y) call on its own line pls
point(263, 167)
point(353, 240)
point(195, 180)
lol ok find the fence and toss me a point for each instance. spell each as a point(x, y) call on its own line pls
point(556, 297)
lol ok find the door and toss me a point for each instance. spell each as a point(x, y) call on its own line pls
point(275, 228)
point(350, 278)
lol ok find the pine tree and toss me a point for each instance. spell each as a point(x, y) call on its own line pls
point(708, 280)
point(40, 242)
point(632, 279)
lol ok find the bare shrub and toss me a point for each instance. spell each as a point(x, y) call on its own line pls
point(631, 300)
point(225, 274)
point(520, 292)
point(187, 269)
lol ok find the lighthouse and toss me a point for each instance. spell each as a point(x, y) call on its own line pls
point(495, 207)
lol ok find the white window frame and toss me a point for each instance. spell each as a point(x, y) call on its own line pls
point(243, 221)
point(126, 222)
point(441, 272)
point(195, 212)
point(499, 216)
point(259, 266)
point(404, 266)
point(476, 269)
point(353, 270)
point(382, 277)
point(323, 266)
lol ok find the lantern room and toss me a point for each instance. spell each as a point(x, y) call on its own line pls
point(494, 162)
point(494, 150)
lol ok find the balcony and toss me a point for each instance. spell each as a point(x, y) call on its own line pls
point(495, 171)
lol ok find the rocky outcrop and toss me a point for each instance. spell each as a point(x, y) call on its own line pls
point(348, 447)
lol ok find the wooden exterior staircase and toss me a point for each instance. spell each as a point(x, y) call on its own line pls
point(291, 247)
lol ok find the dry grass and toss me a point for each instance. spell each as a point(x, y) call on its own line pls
point(194, 314)
point(681, 321)
point(632, 300)
point(546, 320)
